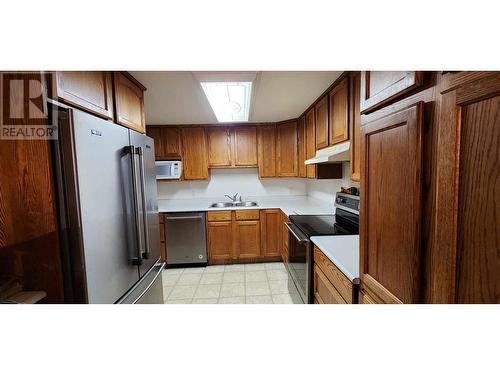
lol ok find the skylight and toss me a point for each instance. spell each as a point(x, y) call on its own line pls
point(230, 101)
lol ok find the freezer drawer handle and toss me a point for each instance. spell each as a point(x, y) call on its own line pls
point(137, 261)
point(145, 254)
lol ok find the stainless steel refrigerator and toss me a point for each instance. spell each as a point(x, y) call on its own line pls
point(108, 210)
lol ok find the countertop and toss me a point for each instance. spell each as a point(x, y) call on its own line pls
point(343, 251)
point(295, 205)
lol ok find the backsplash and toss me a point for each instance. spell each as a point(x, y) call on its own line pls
point(246, 182)
point(325, 189)
point(230, 181)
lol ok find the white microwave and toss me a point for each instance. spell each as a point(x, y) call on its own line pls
point(168, 169)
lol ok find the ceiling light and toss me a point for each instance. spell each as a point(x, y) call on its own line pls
point(230, 101)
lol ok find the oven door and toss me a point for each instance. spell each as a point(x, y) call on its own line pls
point(300, 261)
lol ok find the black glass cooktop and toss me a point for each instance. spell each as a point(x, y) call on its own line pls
point(323, 225)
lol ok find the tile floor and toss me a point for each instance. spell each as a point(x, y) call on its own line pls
point(258, 283)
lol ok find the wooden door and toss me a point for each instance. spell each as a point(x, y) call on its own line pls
point(267, 150)
point(302, 146)
point(270, 223)
point(171, 142)
point(129, 102)
point(311, 142)
point(380, 88)
point(155, 133)
point(321, 122)
point(286, 149)
point(390, 263)
point(245, 146)
point(465, 255)
point(246, 239)
point(354, 127)
point(339, 112)
point(194, 153)
point(90, 91)
point(219, 147)
point(220, 241)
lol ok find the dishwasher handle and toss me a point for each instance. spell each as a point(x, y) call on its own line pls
point(184, 217)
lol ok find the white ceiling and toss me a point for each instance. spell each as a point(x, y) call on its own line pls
point(177, 97)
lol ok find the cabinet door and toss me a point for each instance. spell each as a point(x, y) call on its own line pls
point(171, 142)
point(220, 240)
point(129, 102)
point(267, 150)
point(390, 259)
point(90, 91)
point(155, 133)
point(339, 112)
point(286, 149)
point(354, 127)
point(219, 147)
point(379, 88)
point(246, 239)
point(302, 146)
point(311, 142)
point(194, 153)
point(324, 291)
point(270, 223)
point(321, 121)
point(245, 146)
point(284, 232)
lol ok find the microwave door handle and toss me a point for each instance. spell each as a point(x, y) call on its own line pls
point(135, 204)
point(145, 254)
point(301, 239)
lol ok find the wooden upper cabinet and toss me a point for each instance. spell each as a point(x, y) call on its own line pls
point(219, 147)
point(321, 122)
point(194, 153)
point(286, 149)
point(245, 146)
point(390, 221)
point(220, 241)
point(310, 142)
point(90, 91)
point(266, 140)
point(302, 146)
point(171, 139)
point(155, 133)
point(339, 112)
point(167, 142)
point(270, 224)
point(129, 102)
point(379, 88)
point(246, 235)
point(354, 127)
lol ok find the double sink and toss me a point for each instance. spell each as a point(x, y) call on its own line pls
point(233, 204)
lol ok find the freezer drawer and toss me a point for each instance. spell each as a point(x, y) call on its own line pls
point(149, 289)
point(186, 238)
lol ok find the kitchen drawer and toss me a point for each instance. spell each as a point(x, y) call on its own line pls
point(219, 216)
point(336, 277)
point(247, 215)
point(324, 291)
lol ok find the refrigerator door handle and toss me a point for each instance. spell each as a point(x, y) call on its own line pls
point(136, 261)
point(145, 254)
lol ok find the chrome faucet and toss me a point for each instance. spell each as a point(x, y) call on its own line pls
point(234, 198)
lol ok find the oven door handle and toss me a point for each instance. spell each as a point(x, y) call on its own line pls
point(294, 230)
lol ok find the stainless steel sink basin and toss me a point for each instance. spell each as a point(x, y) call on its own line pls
point(246, 204)
point(233, 204)
point(221, 204)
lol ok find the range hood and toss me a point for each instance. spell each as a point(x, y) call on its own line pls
point(332, 154)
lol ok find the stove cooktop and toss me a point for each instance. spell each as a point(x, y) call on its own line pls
point(322, 225)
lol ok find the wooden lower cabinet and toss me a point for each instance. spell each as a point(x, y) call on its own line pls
point(270, 224)
point(246, 237)
point(220, 240)
point(331, 286)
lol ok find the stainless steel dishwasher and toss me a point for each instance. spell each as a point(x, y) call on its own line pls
point(186, 238)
